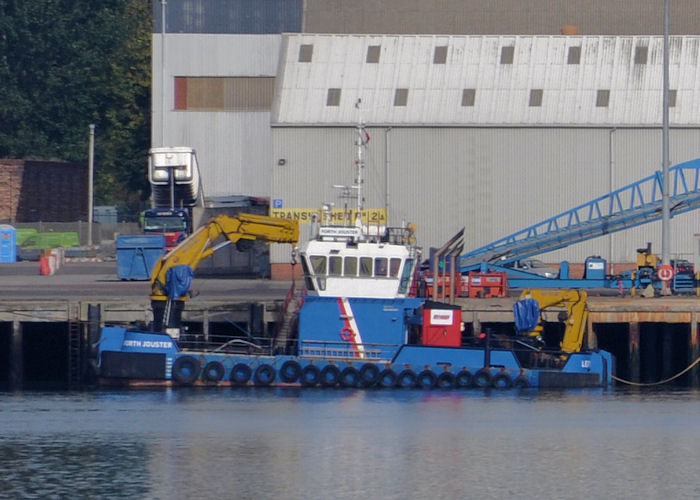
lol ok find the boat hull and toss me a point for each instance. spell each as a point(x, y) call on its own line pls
point(146, 359)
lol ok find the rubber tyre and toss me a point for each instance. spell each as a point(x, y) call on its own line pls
point(521, 382)
point(464, 379)
point(186, 370)
point(482, 378)
point(427, 379)
point(310, 375)
point(447, 380)
point(502, 381)
point(350, 377)
point(387, 379)
point(213, 371)
point(240, 374)
point(264, 375)
point(290, 371)
point(406, 379)
point(369, 373)
point(329, 377)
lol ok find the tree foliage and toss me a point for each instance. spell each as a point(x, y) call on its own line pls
point(65, 64)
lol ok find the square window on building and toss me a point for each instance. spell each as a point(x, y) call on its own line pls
point(640, 55)
point(507, 55)
point(536, 97)
point(306, 53)
point(574, 55)
point(333, 98)
point(373, 52)
point(468, 97)
point(672, 98)
point(440, 55)
point(602, 98)
point(400, 97)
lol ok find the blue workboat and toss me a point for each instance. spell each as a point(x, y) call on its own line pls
point(359, 322)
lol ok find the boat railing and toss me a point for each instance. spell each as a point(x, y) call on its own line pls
point(226, 344)
point(343, 350)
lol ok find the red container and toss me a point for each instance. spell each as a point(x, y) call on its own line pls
point(442, 324)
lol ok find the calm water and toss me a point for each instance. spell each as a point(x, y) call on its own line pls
point(282, 443)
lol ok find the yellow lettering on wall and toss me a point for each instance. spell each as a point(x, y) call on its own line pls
point(370, 216)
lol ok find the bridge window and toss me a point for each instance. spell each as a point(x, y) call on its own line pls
point(335, 266)
point(350, 266)
point(406, 276)
point(365, 266)
point(394, 266)
point(318, 264)
point(380, 266)
point(308, 281)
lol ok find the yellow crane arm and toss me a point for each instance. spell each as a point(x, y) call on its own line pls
point(200, 244)
point(576, 313)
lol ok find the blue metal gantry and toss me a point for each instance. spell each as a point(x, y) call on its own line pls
point(627, 207)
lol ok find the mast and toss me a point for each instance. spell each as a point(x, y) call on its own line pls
point(362, 140)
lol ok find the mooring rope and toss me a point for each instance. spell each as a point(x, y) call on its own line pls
point(660, 382)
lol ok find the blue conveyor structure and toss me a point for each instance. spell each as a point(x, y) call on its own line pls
point(627, 207)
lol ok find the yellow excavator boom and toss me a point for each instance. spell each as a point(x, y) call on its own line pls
point(574, 301)
point(200, 244)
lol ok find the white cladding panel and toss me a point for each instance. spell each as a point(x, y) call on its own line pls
point(233, 147)
point(492, 181)
point(502, 91)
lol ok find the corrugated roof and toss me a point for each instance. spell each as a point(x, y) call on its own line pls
point(541, 81)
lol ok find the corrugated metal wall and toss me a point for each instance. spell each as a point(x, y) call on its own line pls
point(569, 92)
point(492, 181)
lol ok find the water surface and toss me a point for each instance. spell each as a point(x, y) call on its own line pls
point(316, 443)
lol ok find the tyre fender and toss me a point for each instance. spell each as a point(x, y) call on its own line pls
point(186, 369)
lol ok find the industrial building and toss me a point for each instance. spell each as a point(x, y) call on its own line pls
point(489, 116)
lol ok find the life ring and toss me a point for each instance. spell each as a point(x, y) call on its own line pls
point(387, 378)
point(310, 375)
point(330, 375)
point(464, 379)
point(186, 370)
point(350, 377)
point(240, 374)
point(521, 382)
point(502, 381)
point(264, 375)
point(427, 379)
point(446, 380)
point(213, 371)
point(482, 378)
point(290, 371)
point(369, 374)
point(406, 379)
point(347, 334)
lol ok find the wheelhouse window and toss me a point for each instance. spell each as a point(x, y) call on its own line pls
point(380, 266)
point(406, 276)
point(365, 266)
point(318, 264)
point(350, 266)
point(308, 280)
point(394, 266)
point(335, 266)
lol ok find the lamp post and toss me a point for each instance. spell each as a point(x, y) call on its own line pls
point(91, 168)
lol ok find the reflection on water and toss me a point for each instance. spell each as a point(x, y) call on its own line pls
point(281, 443)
